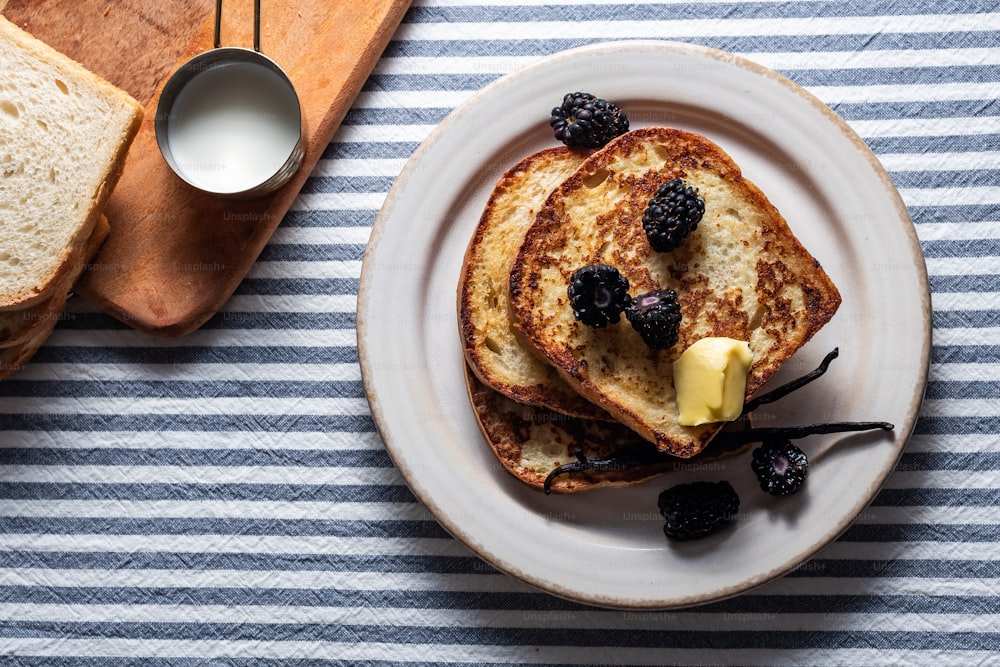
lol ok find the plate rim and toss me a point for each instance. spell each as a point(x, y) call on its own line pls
point(905, 430)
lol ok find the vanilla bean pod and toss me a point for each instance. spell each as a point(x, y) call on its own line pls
point(764, 434)
point(640, 454)
point(633, 456)
point(798, 383)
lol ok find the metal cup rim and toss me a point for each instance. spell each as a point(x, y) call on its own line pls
point(212, 59)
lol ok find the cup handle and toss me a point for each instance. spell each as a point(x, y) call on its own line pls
point(256, 24)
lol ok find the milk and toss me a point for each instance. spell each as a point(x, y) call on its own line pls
point(232, 127)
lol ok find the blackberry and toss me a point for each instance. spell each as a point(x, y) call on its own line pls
point(672, 214)
point(780, 466)
point(598, 293)
point(587, 121)
point(697, 509)
point(656, 316)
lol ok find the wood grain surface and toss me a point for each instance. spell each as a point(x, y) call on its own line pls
point(175, 254)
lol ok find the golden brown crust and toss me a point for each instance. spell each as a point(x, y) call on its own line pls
point(493, 349)
point(530, 442)
point(742, 274)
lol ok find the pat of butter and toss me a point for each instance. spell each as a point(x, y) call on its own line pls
point(711, 378)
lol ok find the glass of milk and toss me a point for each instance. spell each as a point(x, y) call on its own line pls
point(229, 121)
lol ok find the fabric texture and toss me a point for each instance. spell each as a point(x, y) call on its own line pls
point(224, 498)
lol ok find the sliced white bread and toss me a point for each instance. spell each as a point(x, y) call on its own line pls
point(13, 359)
point(19, 326)
point(26, 330)
point(64, 134)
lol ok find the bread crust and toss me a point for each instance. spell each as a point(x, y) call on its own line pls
point(531, 441)
point(493, 349)
point(14, 358)
point(741, 274)
point(18, 326)
point(128, 115)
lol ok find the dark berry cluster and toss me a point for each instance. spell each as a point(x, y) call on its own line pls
point(671, 215)
point(587, 121)
point(697, 509)
point(657, 317)
point(598, 294)
point(780, 466)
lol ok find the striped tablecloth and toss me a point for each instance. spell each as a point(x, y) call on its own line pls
point(224, 498)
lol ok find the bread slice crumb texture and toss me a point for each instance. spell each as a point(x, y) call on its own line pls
point(64, 133)
point(742, 274)
point(492, 347)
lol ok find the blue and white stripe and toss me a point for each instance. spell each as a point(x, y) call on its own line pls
point(224, 498)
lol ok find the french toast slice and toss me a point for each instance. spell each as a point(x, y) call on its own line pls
point(531, 442)
point(492, 348)
point(741, 274)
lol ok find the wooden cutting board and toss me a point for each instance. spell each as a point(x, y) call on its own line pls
point(175, 255)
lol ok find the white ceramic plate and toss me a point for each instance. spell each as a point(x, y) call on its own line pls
point(607, 547)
